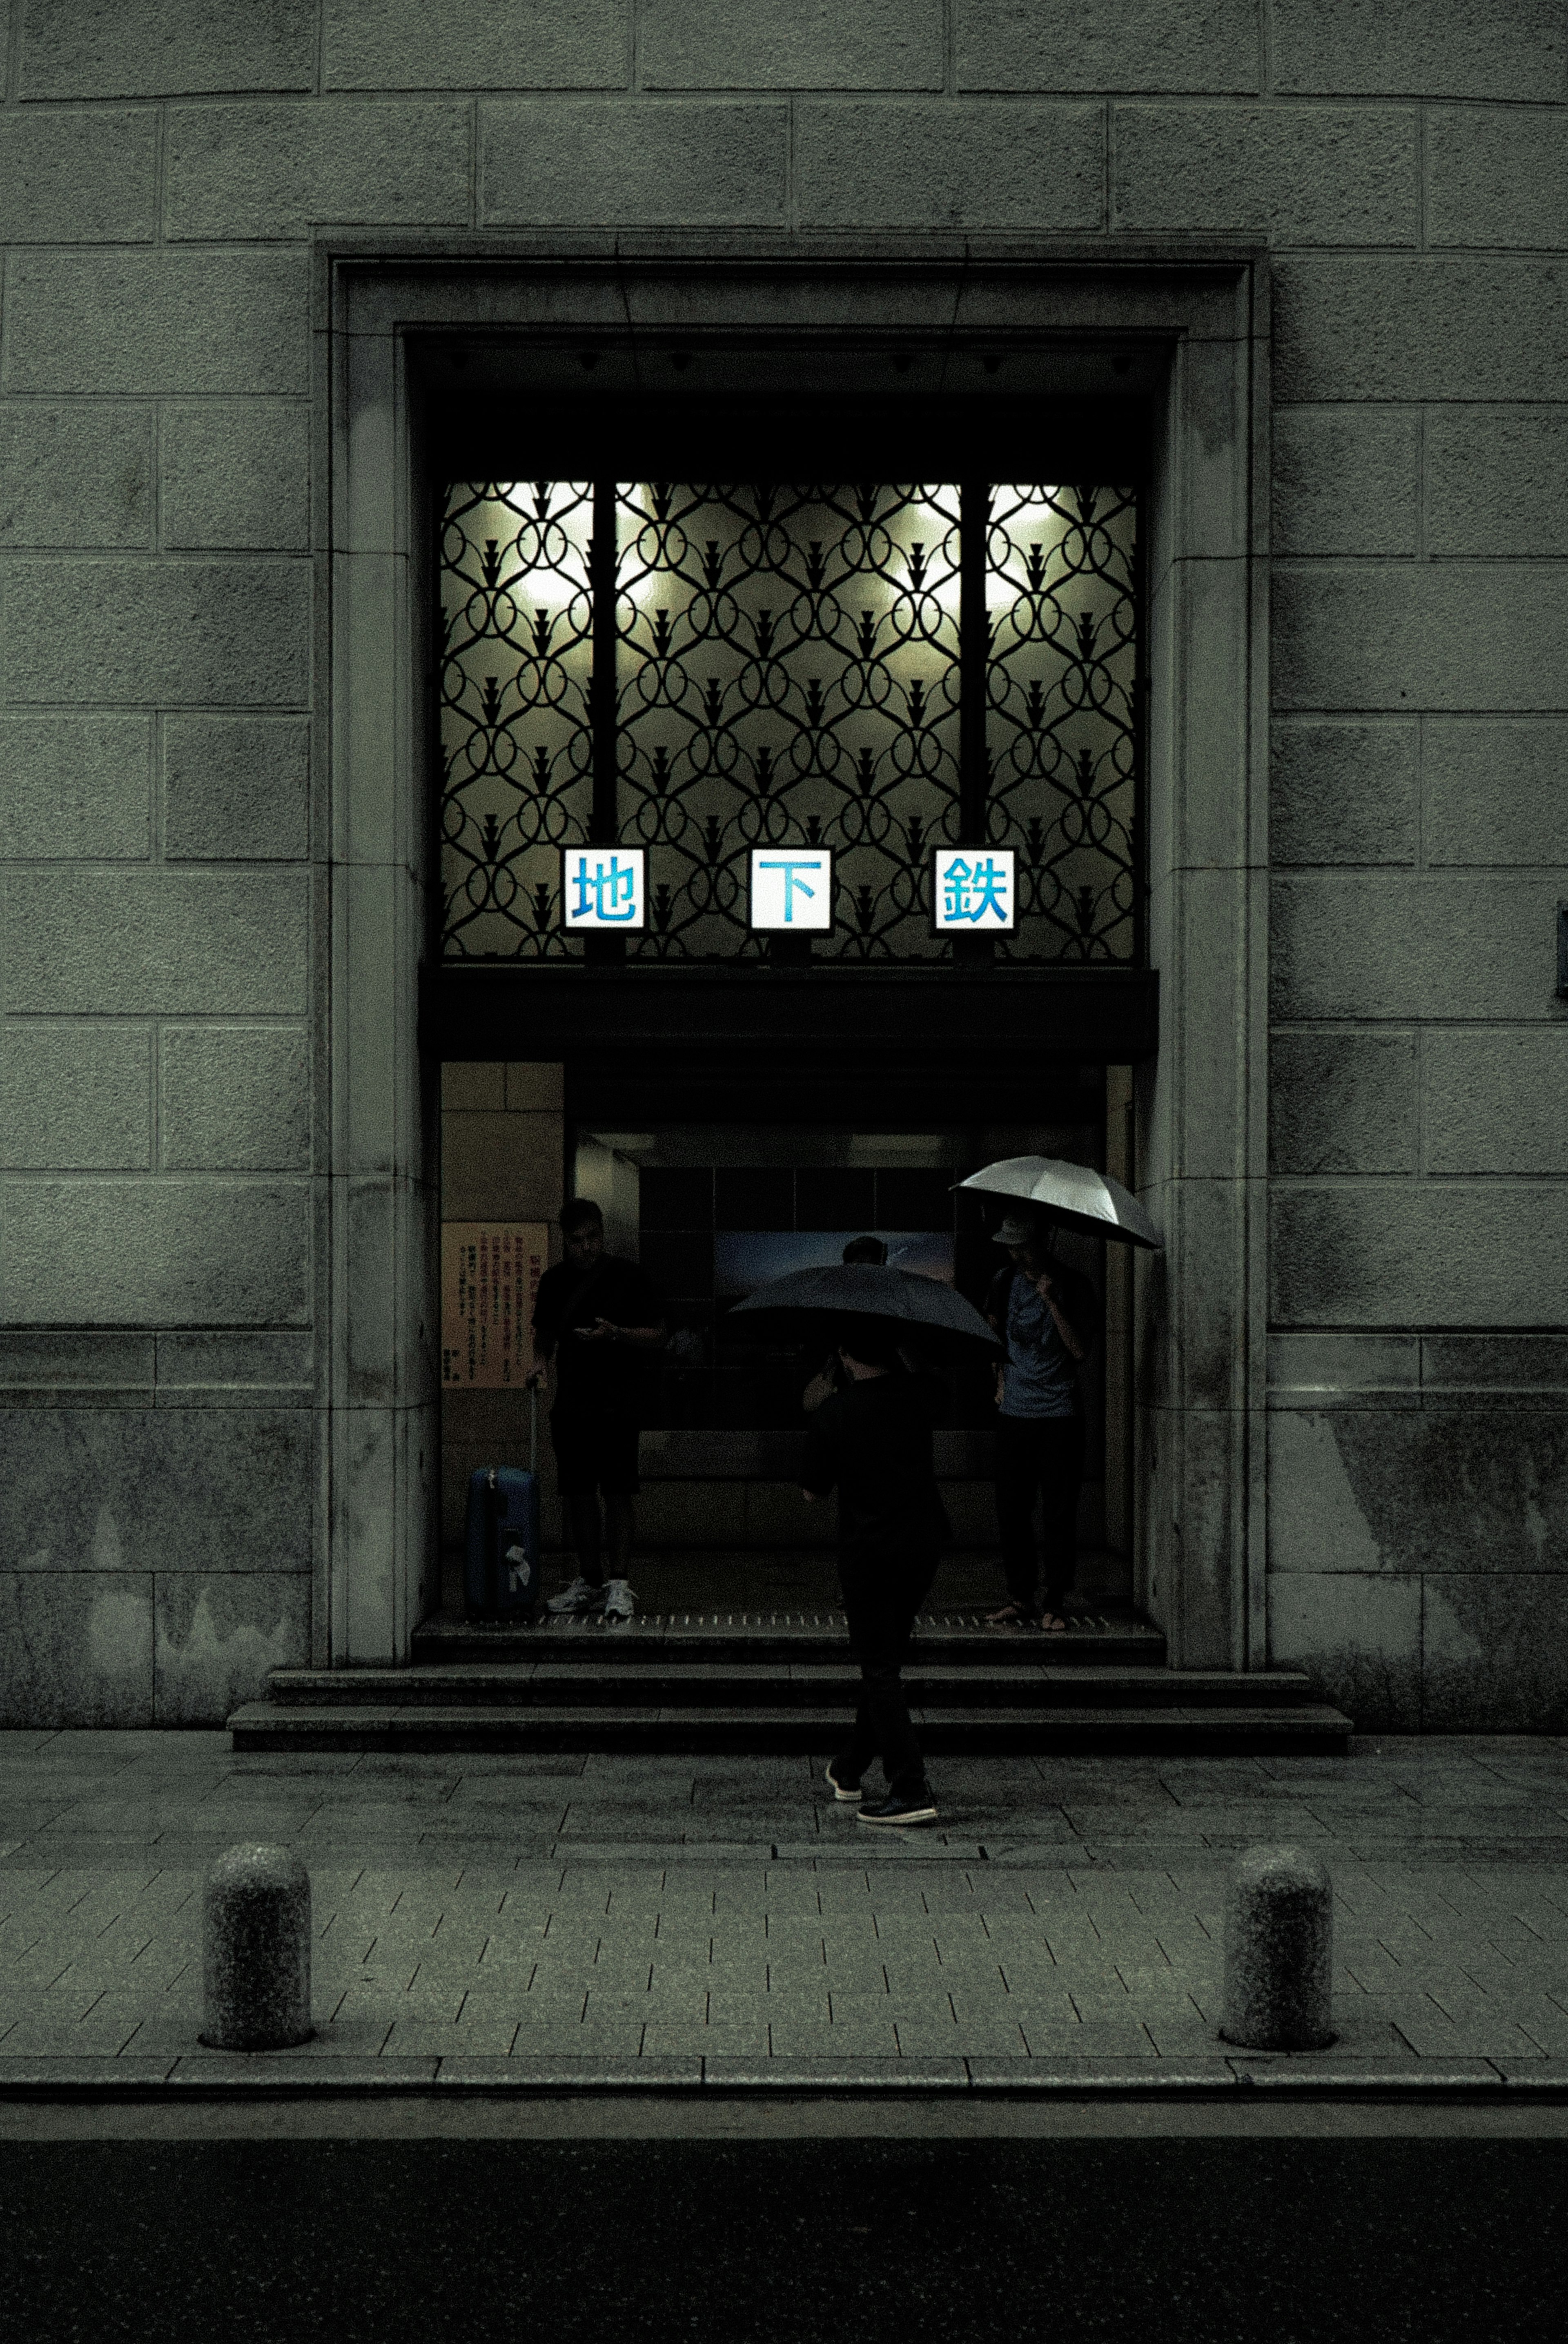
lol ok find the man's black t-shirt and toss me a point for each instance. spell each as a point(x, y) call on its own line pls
point(604, 1377)
point(873, 1443)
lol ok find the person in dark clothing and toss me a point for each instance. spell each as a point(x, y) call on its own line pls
point(872, 1443)
point(830, 1376)
point(599, 1318)
point(1046, 1314)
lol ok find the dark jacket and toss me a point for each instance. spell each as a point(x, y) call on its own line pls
point(872, 1444)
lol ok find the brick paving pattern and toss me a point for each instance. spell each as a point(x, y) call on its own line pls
point(584, 1918)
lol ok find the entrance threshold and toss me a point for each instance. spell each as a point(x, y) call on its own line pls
point(734, 1678)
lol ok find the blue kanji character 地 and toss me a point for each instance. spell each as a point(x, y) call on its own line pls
point(604, 889)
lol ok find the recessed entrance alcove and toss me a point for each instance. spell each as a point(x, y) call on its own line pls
point(521, 438)
point(711, 1209)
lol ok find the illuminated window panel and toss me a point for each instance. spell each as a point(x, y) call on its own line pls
point(787, 668)
point(517, 741)
point(1061, 731)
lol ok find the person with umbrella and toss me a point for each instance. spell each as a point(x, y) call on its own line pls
point(1046, 1314)
point(872, 1443)
point(830, 1376)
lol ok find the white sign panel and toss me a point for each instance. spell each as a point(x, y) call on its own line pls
point(792, 888)
point(604, 886)
point(974, 889)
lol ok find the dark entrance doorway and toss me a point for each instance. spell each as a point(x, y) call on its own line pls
point(720, 1207)
point(843, 618)
point(710, 1208)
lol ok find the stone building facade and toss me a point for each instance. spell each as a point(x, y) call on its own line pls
point(1326, 241)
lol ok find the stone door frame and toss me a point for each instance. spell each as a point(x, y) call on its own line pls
point(1189, 323)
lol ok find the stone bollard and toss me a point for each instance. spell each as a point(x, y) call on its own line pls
point(1279, 1951)
point(255, 1950)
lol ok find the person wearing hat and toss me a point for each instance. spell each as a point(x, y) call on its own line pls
point(1044, 1314)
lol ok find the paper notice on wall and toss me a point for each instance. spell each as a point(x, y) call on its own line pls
point(490, 1276)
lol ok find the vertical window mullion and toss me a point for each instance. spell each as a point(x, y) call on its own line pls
point(974, 661)
point(603, 711)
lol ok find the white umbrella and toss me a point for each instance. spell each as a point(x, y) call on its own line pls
point(1090, 1203)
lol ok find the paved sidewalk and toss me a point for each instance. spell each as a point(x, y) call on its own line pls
point(701, 1923)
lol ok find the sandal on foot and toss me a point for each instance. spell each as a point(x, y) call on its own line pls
point(1011, 1615)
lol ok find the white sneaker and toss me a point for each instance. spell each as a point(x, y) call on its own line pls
point(618, 1601)
point(578, 1597)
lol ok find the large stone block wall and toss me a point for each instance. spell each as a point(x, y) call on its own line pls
point(164, 802)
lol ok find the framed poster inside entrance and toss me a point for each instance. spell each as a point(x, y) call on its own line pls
point(489, 1276)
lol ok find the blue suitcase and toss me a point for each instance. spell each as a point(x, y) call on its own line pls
point(500, 1568)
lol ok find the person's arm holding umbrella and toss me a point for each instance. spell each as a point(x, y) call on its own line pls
point(1046, 1287)
point(871, 1252)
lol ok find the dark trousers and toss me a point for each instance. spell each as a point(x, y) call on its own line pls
point(1039, 1457)
point(881, 1602)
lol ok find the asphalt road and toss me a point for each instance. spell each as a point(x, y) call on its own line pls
point(1294, 2241)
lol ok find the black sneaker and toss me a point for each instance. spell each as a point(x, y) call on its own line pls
point(922, 1809)
point(844, 1790)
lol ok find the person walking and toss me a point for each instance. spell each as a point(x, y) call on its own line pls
point(872, 1443)
point(1044, 1314)
point(830, 1376)
point(598, 1318)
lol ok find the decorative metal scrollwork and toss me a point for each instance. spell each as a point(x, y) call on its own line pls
point(1061, 727)
point(788, 673)
point(517, 740)
point(788, 669)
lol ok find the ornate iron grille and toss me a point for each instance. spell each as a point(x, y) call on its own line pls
point(789, 671)
point(517, 734)
point(1061, 730)
point(701, 670)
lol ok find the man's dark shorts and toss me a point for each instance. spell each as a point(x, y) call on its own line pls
point(594, 1452)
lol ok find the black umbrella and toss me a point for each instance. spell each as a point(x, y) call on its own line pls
point(931, 1314)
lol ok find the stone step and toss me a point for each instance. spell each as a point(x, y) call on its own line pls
point(1307, 1728)
point(1093, 1639)
point(650, 1679)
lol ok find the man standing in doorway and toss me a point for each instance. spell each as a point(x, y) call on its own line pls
point(1046, 1315)
point(599, 1319)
